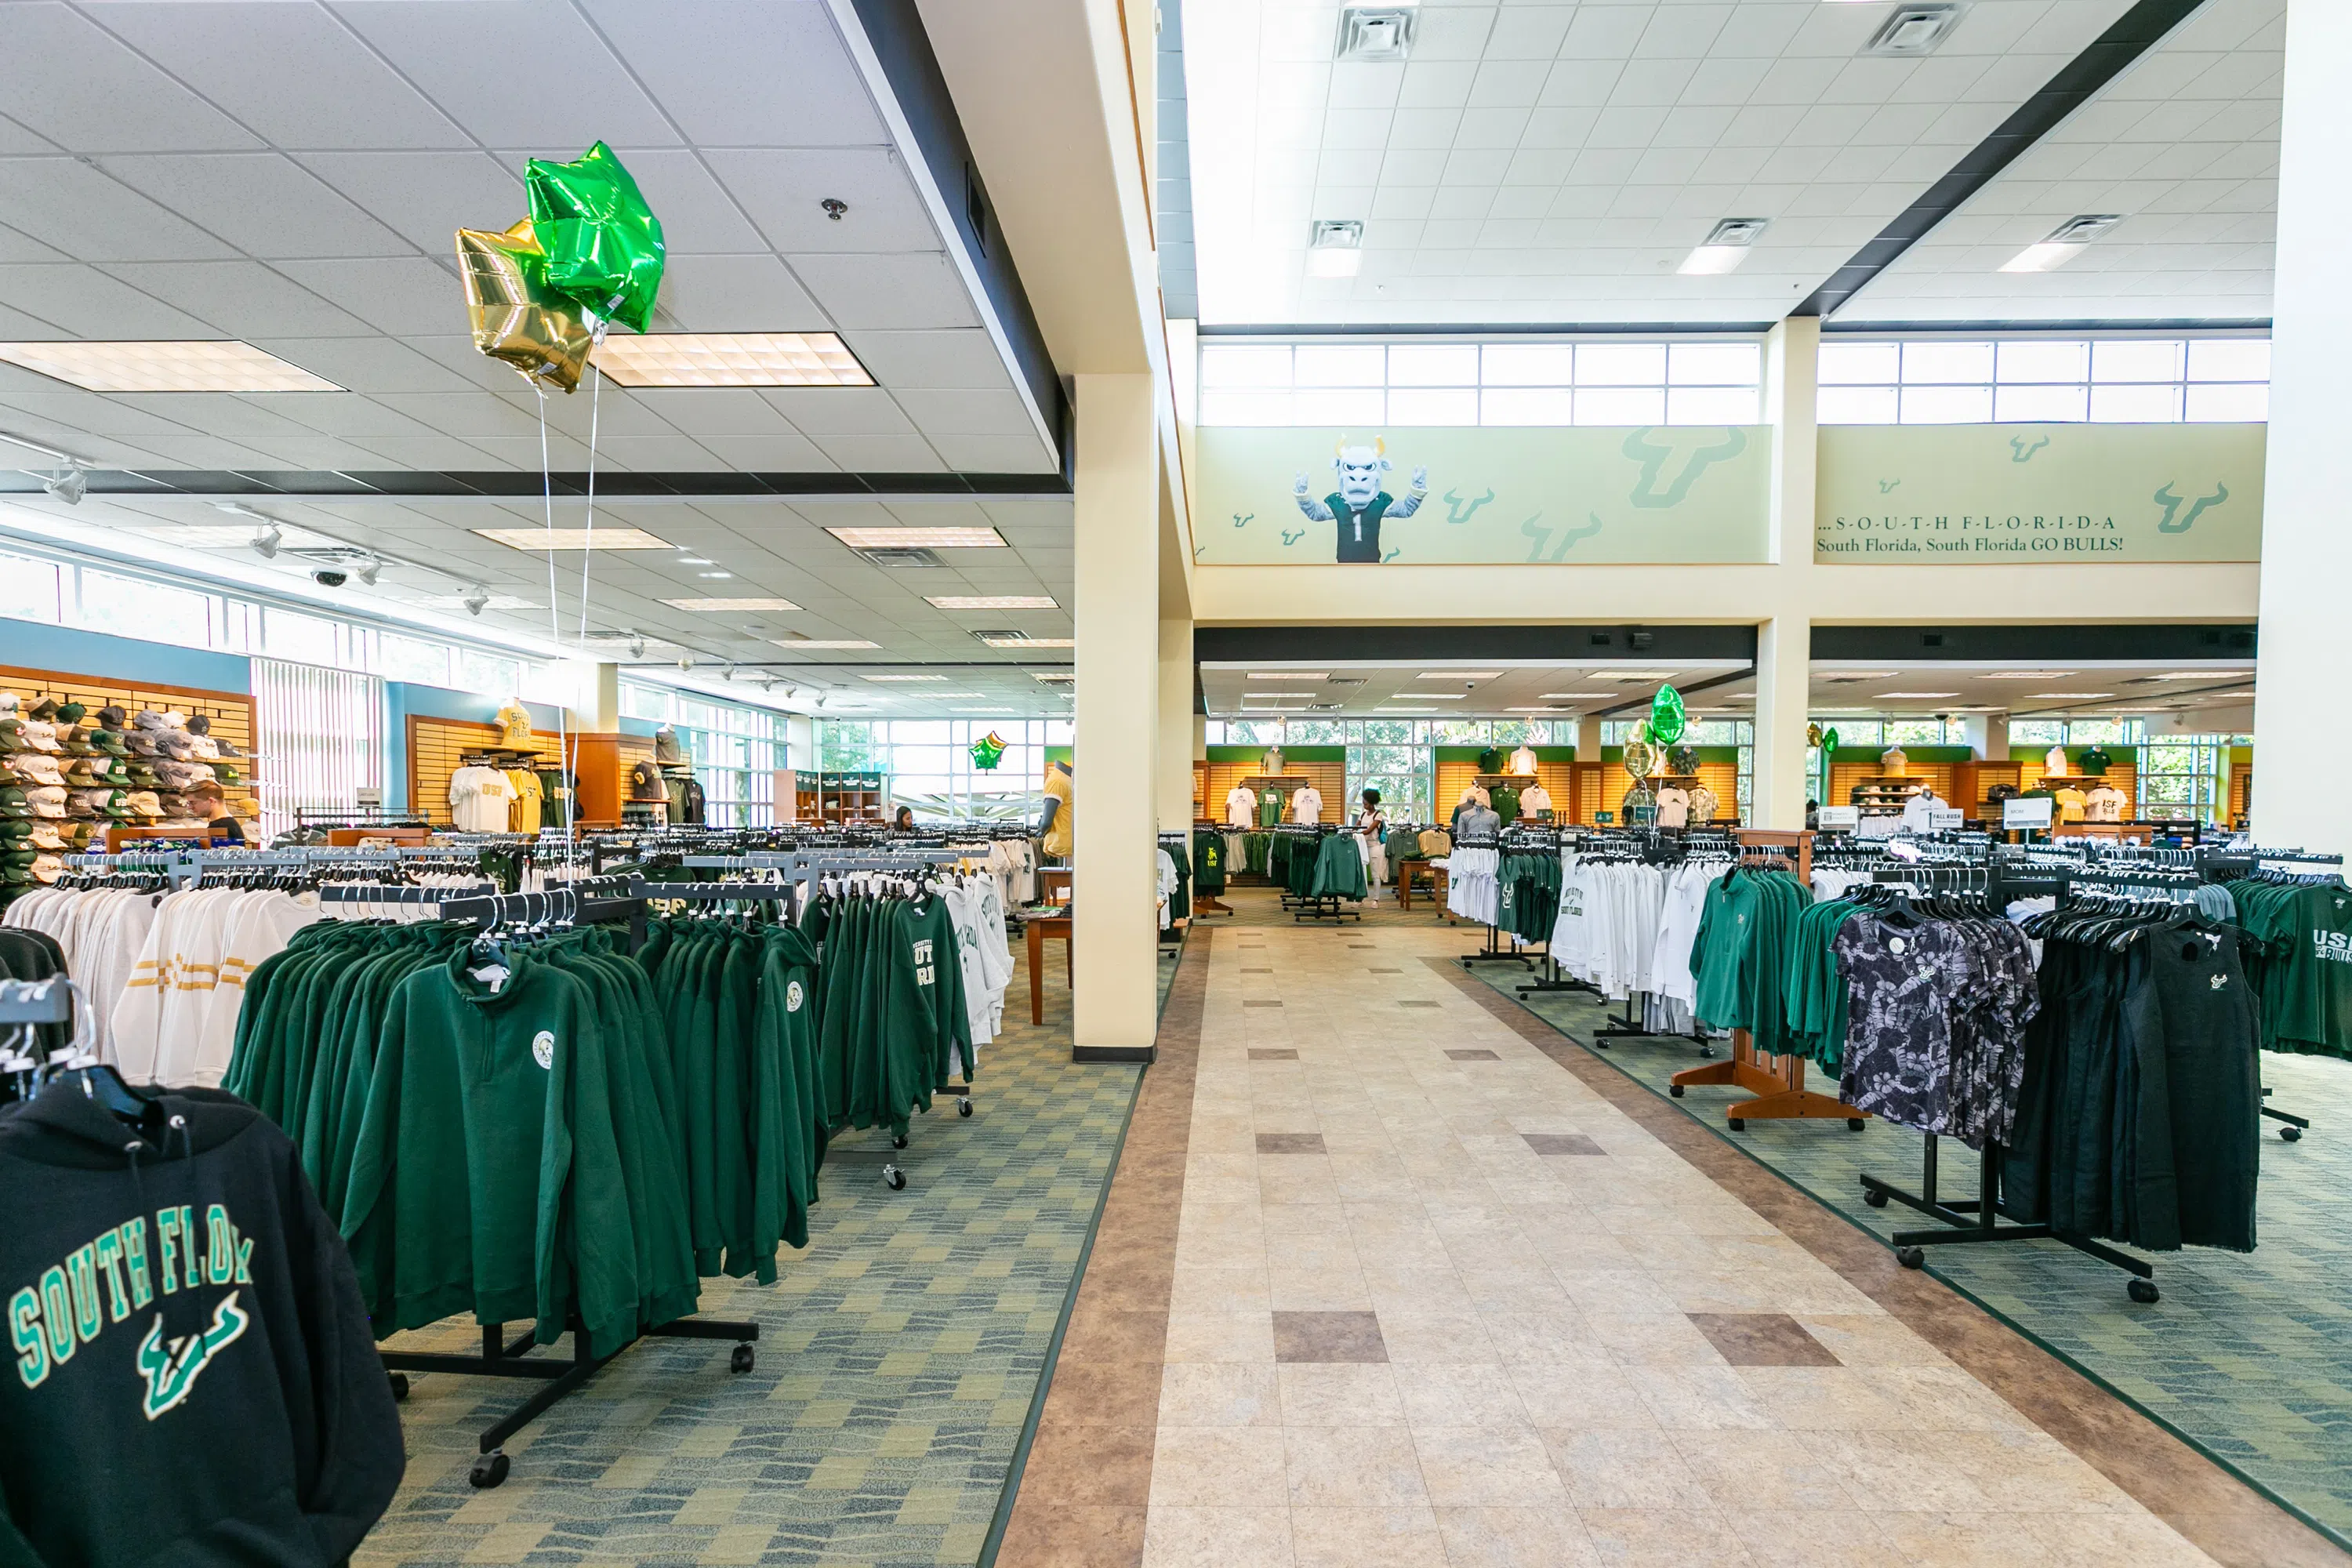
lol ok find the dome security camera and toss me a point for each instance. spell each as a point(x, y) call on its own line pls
point(329, 577)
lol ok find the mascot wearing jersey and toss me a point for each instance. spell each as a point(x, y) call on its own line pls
point(1359, 504)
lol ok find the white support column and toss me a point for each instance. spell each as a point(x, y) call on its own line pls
point(1115, 1009)
point(1175, 726)
point(1784, 636)
point(2307, 552)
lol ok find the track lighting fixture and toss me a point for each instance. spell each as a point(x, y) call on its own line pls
point(370, 570)
point(265, 543)
point(67, 484)
point(475, 599)
point(637, 647)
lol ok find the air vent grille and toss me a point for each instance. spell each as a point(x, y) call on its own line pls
point(901, 556)
point(1916, 27)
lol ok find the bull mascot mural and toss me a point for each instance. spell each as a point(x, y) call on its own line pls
point(1359, 504)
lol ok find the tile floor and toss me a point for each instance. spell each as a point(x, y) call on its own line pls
point(1434, 1299)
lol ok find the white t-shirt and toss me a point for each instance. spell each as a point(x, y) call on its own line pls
point(1673, 807)
point(1533, 799)
point(1307, 804)
point(2105, 804)
point(1916, 810)
point(1523, 761)
point(2054, 762)
point(480, 800)
point(1241, 806)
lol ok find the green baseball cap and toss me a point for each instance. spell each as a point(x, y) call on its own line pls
point(14, 802)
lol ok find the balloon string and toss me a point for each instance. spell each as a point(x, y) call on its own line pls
point(564, 751)
point(588, 540)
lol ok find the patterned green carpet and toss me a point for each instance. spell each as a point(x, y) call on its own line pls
point(2247, 1356)
point(897, 1360)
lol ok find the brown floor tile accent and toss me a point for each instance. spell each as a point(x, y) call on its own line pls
point(1261, 1002)
point(1328, 1337)
point(1365, 946)
point(2220, 1514)
point(1416, 1004)
point(1762, 1339)
point(1465, 1055)
point(1562, 1143)
point(1290, 1143)
point(1257, 972)
point(1388, 971)
point(1273, 1053)
point(1081, 1494)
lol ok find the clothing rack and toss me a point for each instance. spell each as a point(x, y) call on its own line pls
point(1491, 951)
point(1312, 905)
point(1976, 1221)
point(1778, 1083)
point(501, 1356)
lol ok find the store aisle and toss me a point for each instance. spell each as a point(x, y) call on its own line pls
point(1434, 1299)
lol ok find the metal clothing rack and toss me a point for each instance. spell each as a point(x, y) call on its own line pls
point(1977, 1220)
point(501, 1356)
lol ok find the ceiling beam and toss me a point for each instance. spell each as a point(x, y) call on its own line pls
point(2133, 34)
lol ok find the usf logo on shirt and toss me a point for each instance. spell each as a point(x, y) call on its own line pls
point(925, 972)
point(107, 1280)
point(2335, 946)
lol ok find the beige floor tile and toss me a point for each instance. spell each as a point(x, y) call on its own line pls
point(1559, 1338)
point(1218, 1394)
point(1339, 1394)
point(1218, 1466)
point(1441, 1394)
point(1663, 1537)
point(1414, 1336)
point(1581, 1396)
point(1871, 1338)
point(1740, 1471)
point(1628, 1468)
point(1699, 1399)
point(2138, 1537)
point(1365, 1537)
point(1338, 1467)
point(1962, 1539)
point(1204, 1290)
point(1832, 1398)
point(1516, 1538)
point(1651, 1339)
point(1216, 1538)
point(1485, 1466)
point(1813, 1538)
point(1220, 1336)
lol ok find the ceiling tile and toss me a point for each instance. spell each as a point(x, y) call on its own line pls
point(996, 454)
point(737, 294)
point(929, 360)
point(968, 413)
point(240, 299)
point(291, 73)
point(825, 411)
point(881, 454)
point(767, 453)
point(64, 78)
point(79, 210)
point(712, 410)
point(787, 81)
point(394, 295)
point(893, 292)
point(264, 204)
point(84, 302)
point(425, 197)
point(465, 59)
point(696, 214)
point(363, 364)
point(784, 192)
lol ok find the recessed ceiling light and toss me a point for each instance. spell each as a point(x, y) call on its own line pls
point(1458, 675)
point(821, 643)
point(1029, 642)
point(1430, 696)
point(1575, 696)
point(714, 574)
point(1859, 674)
point(1914, 696)
point(919, 538)
point(696, 561)
point(906, 677)
point(991, 601)
point(1723, 249)
point(2207, 675)
point(1536, 709)
point(1334, 248)
point(1053, 677)
point(723, 605)
point(2065, 243)
point(1287, 675)
point(731, 359)
point(165, 367)
point(543, 538)
point(2069, 695)
point(2026, 675)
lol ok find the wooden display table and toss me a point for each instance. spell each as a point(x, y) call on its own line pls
point(1410, 871)
point(1041, 927)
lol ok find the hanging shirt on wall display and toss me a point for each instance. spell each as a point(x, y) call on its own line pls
point(1523, 761)
point(1673, 807)
point(1307, 804)
point(1535, 801)
point(2105, 804)
point(1241, 805)
point(1703, 804)
point(480, 800)
point(514, 726)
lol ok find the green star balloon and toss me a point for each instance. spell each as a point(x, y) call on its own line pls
point(1666, 718)
point(987, 751)
point(604, 244)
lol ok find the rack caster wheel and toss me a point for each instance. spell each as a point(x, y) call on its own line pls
point(1873, 1197)
point(899, 1142)
point(1675, 1089)
point(2290, 1134)
point(489, 1470)
point(1738, 1123)
point(2144, 1291)
point(894, 1178)
point(1853, 1124)
point(742, 1360)
point(963, 1108)
point(1911, 1256)
point(399, 1381)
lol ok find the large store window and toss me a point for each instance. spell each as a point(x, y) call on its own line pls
point(2037, 380)
point(928, 766)
point(1365, 386)
point(735, 751)
point(317, 738)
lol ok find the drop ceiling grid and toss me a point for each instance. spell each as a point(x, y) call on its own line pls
point(1532, 158)
point(290, 174)
point(2184, 144)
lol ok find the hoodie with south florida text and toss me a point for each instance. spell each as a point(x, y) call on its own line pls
point(191, 1378)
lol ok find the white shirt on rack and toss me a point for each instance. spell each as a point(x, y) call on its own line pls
point(1307, 804)
point(1241, 806)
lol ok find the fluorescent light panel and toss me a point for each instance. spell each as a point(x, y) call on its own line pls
point(823, 643)
point(230, 366)
point(2068, 696)
point(1287, 675)
point(1914, 696)
point(1536, 710)
point(991, 602)
point(721, 606)
point(731, 359)
point(1575, 696)
point(906, 677)
point(1431, 695)
point(2208, 674)
point(1030, 642)
point(544, 539)
point(2027, 675)
point(1458, 675)
point(919, 538)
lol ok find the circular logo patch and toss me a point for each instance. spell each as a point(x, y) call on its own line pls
point(1896, 945)
point(794, 997)
point(542, 1048)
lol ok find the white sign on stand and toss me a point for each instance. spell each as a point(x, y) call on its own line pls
point(2022, 813)
point(1829, 817)
point(1944, 818)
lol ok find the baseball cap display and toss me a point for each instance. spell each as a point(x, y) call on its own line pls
point(107, 741)
point(143, 803)
point(112, 717)
point(70, 712)
point(45, 836)
point(14, 801)
point(45, 800)
point(35, 767)
point(46, 707)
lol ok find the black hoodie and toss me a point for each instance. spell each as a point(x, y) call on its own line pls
point(191, 1377)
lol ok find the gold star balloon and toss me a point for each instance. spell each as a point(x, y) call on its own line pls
point(517, 315)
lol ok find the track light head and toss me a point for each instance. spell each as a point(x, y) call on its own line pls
point(637, 647)
point(265, 543)
point(370, 570)
point(69, 484)
point(476, 600)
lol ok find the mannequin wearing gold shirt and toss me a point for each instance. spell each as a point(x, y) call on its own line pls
point(1054, 832)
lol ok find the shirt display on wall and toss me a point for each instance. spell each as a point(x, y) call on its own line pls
point(646, 784)
point(2053, 760)
point(1241, 805)
point(1307, 804)
point(1703, 804)
point(1535, 801)
point(1673, 806)
point(1918, 812)
point(1058, 787)
point(1523, 761)
point(480, 800)
point(514, 725)
point(2105, 804)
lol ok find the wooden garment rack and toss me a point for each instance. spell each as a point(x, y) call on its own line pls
point(1777, 1082)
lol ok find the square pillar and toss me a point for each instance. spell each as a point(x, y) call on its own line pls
point(1116, 1004)
point(1175, 726)
point(1784, 649)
